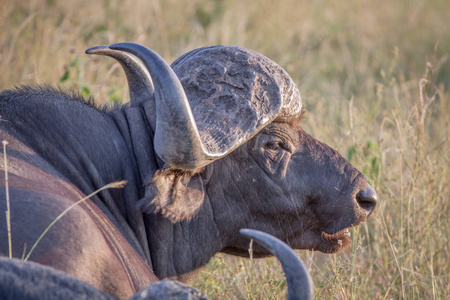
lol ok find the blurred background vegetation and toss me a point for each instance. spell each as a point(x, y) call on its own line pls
point(374, 76)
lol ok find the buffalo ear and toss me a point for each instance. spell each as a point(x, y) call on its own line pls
point(176, 194)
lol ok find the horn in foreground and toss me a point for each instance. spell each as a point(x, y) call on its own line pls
point(300, 285)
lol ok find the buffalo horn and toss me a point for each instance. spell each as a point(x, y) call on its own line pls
point(139, 81)
point(177, 140)
point(299, 281)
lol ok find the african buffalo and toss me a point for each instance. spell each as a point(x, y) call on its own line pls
point(209, 146)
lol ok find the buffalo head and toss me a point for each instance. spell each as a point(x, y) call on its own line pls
point(228, 127)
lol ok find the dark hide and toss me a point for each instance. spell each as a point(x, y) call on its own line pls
point(56, 158)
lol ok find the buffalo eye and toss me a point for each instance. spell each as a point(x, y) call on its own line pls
point(278, 146)
point(275, 150)
point(272, 152)
point(273, 145)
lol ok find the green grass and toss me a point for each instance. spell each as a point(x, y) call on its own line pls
point(374, 76)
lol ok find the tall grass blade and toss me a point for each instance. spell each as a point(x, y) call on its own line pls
point(8, 208)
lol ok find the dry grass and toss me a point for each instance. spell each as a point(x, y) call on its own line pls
point(375, 76)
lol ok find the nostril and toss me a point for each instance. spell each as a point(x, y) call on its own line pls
point(367, 198)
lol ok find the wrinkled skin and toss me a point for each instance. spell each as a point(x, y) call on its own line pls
point(167, 220)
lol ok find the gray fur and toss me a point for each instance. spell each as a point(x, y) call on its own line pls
point(31, 281)
point(26, 280)
point(169, 289)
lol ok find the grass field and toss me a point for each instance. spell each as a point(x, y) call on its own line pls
point(374, 76)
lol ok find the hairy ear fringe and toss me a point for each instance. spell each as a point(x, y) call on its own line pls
point(177, 194)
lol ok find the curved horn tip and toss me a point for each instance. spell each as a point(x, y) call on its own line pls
point(97, 49)
point(299, 281)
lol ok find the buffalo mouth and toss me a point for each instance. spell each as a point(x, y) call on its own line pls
point(334, 242)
